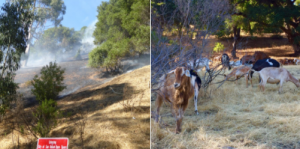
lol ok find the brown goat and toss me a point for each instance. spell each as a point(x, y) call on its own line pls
point(258, 55)
point(238, 72)
point(246, 58)
point(178, 93)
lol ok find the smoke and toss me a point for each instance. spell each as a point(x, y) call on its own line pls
point(41, 57)
point(88, 39)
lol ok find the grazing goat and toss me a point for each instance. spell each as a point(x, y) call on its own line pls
point(275, 75)
point(260, 64)
point(296, 61)
point(217, 58)
point(238, 72)
point(235, 64)
point(178, 93)
point(247, 59)
point(200, 64)
point(258, 55)
point(226, 61)
point(289, 61)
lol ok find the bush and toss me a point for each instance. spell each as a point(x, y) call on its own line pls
point(97, 57)
point(109, 55)
point(50, 83)
point(7, 92)
point(218, 47)
point(46, 115)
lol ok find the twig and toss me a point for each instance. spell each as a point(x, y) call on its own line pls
point(114, 91)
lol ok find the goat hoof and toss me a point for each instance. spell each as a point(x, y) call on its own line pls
point(196, 112)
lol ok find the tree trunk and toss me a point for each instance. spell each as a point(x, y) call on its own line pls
point(27, 48)
point(236, 33)
point(4, 63)
point(29, 38)
point(296, 48)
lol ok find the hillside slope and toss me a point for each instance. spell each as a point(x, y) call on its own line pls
point(116, 115)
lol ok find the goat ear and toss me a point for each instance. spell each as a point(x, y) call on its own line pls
point(172, 71)
point(187, 73)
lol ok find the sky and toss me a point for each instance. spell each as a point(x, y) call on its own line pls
point(79, 13)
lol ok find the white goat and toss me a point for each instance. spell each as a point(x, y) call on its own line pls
point(200, 64)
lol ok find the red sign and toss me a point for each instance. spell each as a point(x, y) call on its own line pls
point(52, 143)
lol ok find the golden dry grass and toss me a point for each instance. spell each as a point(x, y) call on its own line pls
point(117, 115)
point(235, 117)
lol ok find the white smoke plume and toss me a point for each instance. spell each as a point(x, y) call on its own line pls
point(43, 58)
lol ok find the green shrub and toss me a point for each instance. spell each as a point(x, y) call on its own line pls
point(218, 47)
point(46, 115)
point(49, 84)
point(7, 92)
point(109, 54)
point(97, 56)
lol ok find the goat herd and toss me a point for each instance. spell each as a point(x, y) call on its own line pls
point(182, 84)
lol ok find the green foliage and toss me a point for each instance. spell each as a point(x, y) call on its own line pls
point(56, 39)
point(122, 29)
point(14, 23)
point(7, 92)
point(98, 55)
point(49, 10)
point(224, 30)
point(218, 47)
point(49, 84)
point(168, 10)
point(272, 16)
point(46, 115)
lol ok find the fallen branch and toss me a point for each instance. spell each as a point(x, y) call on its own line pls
point(114, 91)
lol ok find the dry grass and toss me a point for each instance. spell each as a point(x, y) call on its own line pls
point(109, 122)
point(236, 117)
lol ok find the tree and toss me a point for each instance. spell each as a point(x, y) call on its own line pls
point(123, 28)
point(58, 39)
point(272, 15)
point(201, 18)
point(44, 11)
point(14, 23)
point(169, 14)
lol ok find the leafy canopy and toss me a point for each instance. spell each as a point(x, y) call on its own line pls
point(123, 28)
point(273, 16)
point(14, 22)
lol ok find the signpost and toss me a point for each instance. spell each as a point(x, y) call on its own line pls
point(52, 143)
